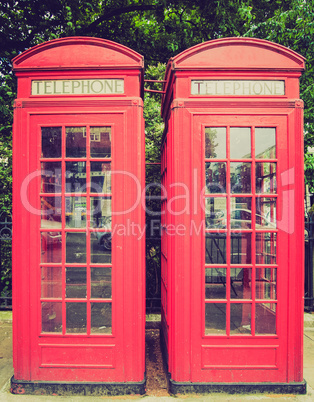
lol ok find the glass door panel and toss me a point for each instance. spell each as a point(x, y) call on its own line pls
point(76, 264)
point(241, 232)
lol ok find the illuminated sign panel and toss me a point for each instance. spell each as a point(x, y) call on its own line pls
point(237, 88)
point(78, 87)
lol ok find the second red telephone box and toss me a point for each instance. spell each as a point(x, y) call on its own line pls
point(78, 246)
point(232, 218)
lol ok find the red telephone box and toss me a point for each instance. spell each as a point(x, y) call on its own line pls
point(78, 247)
point(232, 218)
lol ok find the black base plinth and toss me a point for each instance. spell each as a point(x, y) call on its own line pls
point(74, 388)
point(176, 388)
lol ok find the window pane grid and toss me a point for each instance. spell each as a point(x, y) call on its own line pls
point(236, 294)
point(69, 303)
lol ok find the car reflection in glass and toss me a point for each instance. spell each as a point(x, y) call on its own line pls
point(239, 219)
point(104, 238)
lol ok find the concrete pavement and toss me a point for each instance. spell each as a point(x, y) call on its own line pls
point(6, 371)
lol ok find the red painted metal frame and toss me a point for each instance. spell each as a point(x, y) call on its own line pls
point(121, 356)
point(192, 356)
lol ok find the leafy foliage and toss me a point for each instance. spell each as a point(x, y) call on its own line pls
point(294, 28)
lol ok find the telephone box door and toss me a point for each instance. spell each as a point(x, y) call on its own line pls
point(83, 190)
point(244, 253)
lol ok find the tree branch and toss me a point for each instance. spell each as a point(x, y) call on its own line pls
point(117, 12)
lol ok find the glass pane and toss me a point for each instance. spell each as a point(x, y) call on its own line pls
point(101, 212)
point(241, 248)
point(51, 142)
point(76, 247)
point(215, 212)
point(75, 212)
point(240, 318)
point(101, 248)
point(51, 317)
point(101, 318)
point(266, 213)
point(215, 142)
point(266, 283)
point(240, 177)
point(265, 143)
point(266, 248)
point(51, 282)
point(215, 283)
point(100, 177)
point(215, 248)
point(240, 283)
point(215, 318)
point(100, 283)
point(240, 142)
point(51, 212)
point(241, 213)
point(75, 282)
point(51, 177)
point(75, 177)
point(75, 142)
point(100, 142)
point(265, 174)
point(51, 247)
point(76, 317)
point(215, 177)
point(265, 319)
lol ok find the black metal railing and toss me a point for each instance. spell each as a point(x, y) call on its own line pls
point(5, 261)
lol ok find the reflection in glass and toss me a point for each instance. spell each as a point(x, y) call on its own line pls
point(100, 283)
point(75, 282)
point(215, 318)
point(241, 213)
point(51, 282)
point(51, 177)
point(75, 212)
point(265, 174)
point(100, 177)
point(265, 319)
point(265, 142)
point(215, 283)
point(266, 283)
point(100, 142)
point(266, 213)
point(215, 212)
point(266, 248)
point(240, 279)
point(240, 318)
point(101, 212)
point(51, 142)
point(101, 248)
point(75, 177)
point(51, 247)
point(76, 247)
point(240, 177)
point(75, 142)
point(215, 142)
point(51, 212)
point(215, 177)
point(76, 317)
point(215, 248)
point(101, 318)
point(241, 248)
point(240, 142)
point(51, 317)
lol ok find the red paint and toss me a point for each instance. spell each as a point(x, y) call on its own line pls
point(254, 323)
point(68, 273)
